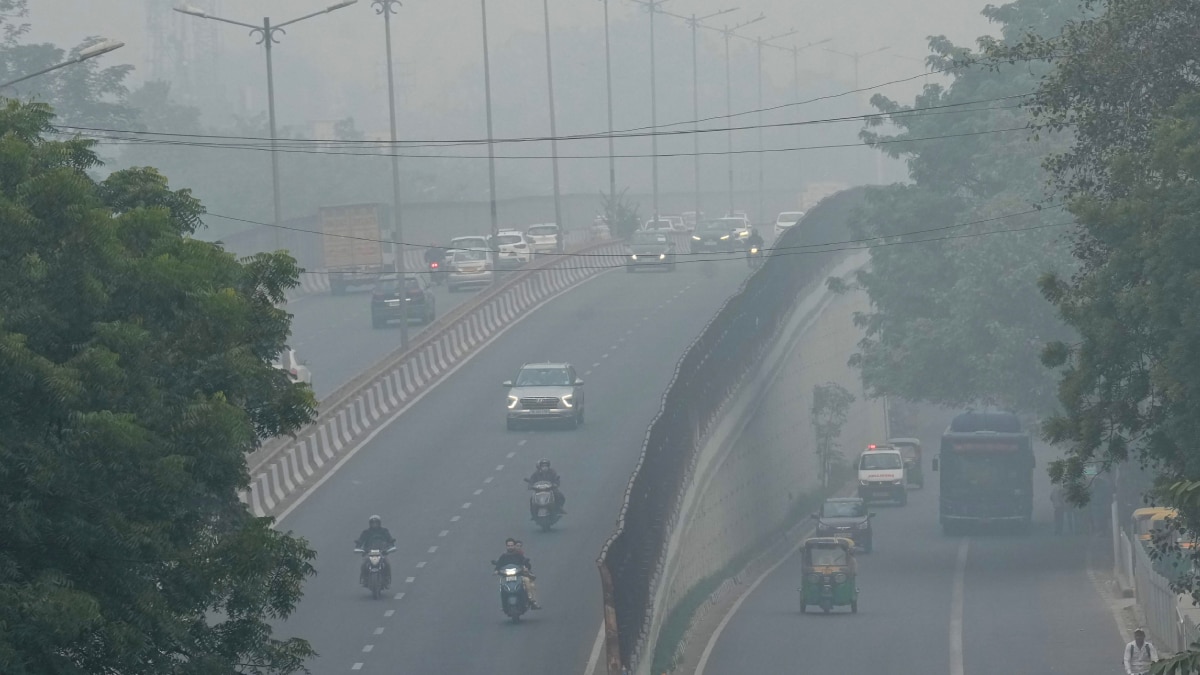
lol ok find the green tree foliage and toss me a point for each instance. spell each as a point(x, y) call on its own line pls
point(959, 320)
point(135, 363)
point(622, 215)
point(830, 408)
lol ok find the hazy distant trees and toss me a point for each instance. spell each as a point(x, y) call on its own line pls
point(136, 372)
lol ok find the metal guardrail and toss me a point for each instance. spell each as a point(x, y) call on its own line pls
point(706, 377)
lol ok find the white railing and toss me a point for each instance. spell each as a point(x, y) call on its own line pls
point(1170, 617)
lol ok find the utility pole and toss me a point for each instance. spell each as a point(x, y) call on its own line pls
point(761, 154)
point(612, 161)
point(387, 8)
point(795, 52)
point(729, 33)
point(858, 56)
point(652, 7)
point(487, 92)
point(553, 127)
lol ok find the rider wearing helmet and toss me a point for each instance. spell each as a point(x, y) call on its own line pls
point(755, 240)
point(515, 555)
point(544, 472)
point(376, 536)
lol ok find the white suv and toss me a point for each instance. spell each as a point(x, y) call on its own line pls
point(514, 249)
point(544, 237)
point(786, 220)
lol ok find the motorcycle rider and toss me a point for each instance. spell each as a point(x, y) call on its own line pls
point(435, 254)
point(544, 472)
point(376, 536)
point(755, 240)
point(514, 555)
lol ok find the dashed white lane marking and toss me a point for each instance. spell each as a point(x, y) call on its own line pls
point(499, 467)
point(588, 373)
point(398, 596)
point(621, 339)
point(455, 519)
point(956, 610)
point(604, 355)
point(479, 491)
point(409, 580)
point(420, 564)
point(510, 455)
point(379, 630)
point(523, 441)
point(443, 533)
point(596, 364)
point(467, 505)
point(488, 479)
point(367, 648)
point(432, 549)
point(357, 666)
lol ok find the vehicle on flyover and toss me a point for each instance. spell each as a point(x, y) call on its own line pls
point(846, 517)
point(389, 300)
point(653, 250)
point(545, 392)
point(910, 448)
point(829, 574)
point(713, 236)
point(786, 220)
point(469, 268)
point(881, 474)
point(986, 464)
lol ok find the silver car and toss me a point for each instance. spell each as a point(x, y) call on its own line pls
point(545, 392)
point(469, 268)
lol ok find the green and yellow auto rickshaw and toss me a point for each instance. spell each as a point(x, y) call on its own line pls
point(910, 449)
point(829, 578)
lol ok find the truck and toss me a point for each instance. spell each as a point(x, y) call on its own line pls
point(353, 245)
point(986, 467)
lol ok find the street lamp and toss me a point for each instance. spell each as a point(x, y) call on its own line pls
point(553, 130)
point(695, 23)
point(652, 6)
point(612, 162)
point(89, 53)
point(857, 56)
point(759, 44)
point(729, 33)
point(491, 145)
point(795, 50)
point(266, 37)
point(387, 8)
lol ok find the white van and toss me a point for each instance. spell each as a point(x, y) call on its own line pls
point(786, 220)
point(881, 475)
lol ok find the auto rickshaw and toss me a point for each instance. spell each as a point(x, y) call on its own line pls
point(1146, 519)
point(910, 449)
point(829, 574)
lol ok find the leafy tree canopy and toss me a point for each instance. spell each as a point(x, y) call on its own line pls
point(136, 368)
point(958, 319)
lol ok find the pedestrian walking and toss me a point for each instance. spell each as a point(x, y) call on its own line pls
point(1139, 654)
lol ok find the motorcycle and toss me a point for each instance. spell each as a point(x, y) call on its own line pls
point(514, 601)
point(436, 273)
point(542, 506)
point(754, 257)
point(377, 565)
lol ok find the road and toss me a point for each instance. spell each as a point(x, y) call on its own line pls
point(446, 477)
point(1026, 604)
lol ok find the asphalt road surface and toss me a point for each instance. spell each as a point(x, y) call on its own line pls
point(1025, 604)
point(446, 478)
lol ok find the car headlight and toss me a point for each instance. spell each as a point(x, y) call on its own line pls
point(724, 238)
point(839, 578)
point(864, 482)
point(568, 400)
point(512, 401)
point(662, 256)
point(898, 482)
point(634, 256)
point(754, 249)
point(695, 237)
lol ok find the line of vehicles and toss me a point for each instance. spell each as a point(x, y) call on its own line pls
point(985, 465)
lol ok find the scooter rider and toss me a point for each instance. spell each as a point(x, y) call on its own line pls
point(513, 555)
point(544, 472)
point(435, 254)
point(755, 240)
point(376, 536)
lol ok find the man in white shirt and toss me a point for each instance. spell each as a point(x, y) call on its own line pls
point(1139, 654)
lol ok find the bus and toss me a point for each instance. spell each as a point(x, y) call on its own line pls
point(986, 467)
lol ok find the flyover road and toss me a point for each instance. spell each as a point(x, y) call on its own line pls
point(931, 605)
point(446, 477)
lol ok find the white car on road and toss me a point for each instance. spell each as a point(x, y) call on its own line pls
point(297, 371)
point(786, 220)
point(514, 248)
point(544, 237)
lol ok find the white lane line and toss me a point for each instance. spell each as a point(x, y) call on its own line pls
point(420, 564)
point(379, 630)
point(510, 455)
point(597, 647)
point(488, 479)
point(367, 648)
point(443, 533)
point(596, 365)
point(523, 441)
point(499, 467)
point(432, 549)
point(621, 339)
point(398, 596)
point(629, 332)
point(455, 519)
point(479, 492)
point(956, 609)
point(467, 505)
point(409, 580)
point(588, 373)
point(604, 355)
point(357, 666)
point(388, 614)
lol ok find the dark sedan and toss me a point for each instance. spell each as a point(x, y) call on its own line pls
point(846, 517)
point(713, 236)
point(651, 249)
point(388, 300)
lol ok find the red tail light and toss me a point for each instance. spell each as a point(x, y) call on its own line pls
point(433, 266)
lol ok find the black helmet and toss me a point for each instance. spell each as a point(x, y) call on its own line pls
point(543, 463)
point(374, 520)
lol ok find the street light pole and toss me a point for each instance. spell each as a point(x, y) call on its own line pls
point(857, 56)
point(729, 33)
point(553, 128)
point(795, 51)
point(266, 34)
point(612, 162)
point(759, 43)
point(89, 53)
point(487, 92)
point(387, 8)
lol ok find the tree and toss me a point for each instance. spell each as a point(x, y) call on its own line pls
point(958, 319)
point(622, 215)
point(830, 408)
point(136, 368)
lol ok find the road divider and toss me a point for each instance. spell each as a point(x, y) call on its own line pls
point(285, 467)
